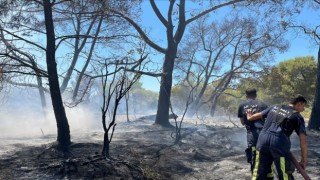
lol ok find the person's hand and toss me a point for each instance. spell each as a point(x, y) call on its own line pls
point(249, 113)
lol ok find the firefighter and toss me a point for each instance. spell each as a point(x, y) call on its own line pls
point(274, 144)
point(253, 127)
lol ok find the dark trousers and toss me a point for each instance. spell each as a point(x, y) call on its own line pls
point(264, 160)
point(252, 137)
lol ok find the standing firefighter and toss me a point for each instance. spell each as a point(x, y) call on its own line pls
point(274, 144)
point(253, 127)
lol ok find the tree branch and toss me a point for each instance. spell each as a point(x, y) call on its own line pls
point(140, 31)
point(32, 43)
point(211, 9)
point(182, 22)
point(158, 13)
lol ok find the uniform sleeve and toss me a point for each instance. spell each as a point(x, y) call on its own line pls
point(240, 111)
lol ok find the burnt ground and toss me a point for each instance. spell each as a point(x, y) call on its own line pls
point(141, 150)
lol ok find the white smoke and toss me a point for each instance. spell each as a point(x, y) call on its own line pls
point(21, 115)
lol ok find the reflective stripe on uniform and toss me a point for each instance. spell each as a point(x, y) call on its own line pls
point(253, 148)
point(255, 170)
point(283, 168)
point(271, 174)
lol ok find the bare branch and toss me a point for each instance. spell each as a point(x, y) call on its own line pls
point(23, 39)
point(38, 72)
point(55, 3)
point(211, 9)
point(182, 22)
point(39, 2)
point(140, 31)
point(308, 30)
point(158, 13)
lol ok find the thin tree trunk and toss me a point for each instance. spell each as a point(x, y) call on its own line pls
point(77, 50)
point(59, 111)
point(79, 80)
point(314, 122)
point(214, 105)
point(127, 105)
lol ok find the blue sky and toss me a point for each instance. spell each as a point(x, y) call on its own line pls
point(300, 45)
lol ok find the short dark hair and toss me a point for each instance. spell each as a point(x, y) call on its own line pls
point(251, 93)
point(297, 98)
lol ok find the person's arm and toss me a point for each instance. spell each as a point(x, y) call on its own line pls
point(304, 150)
point(259, 115)
point(242, 121)
point(252, 117)
point(240, 114)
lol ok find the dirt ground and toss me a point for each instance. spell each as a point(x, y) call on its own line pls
point(209, 150)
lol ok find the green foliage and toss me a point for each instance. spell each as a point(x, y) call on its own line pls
point(294, 76)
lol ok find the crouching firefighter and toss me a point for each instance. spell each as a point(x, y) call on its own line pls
point(253, 127)
point(274, 144)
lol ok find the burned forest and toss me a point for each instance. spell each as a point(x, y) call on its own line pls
point(156, 89)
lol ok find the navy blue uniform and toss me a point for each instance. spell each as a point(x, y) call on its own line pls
point(253, 127)
point(274, 141)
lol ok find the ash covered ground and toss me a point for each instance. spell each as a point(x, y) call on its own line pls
point(211, 149)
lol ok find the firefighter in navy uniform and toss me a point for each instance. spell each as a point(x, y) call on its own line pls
point(253, 127)
point(274, 144)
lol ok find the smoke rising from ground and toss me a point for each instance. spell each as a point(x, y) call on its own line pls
point(22, 115)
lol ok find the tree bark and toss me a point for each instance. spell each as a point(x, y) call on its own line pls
point(58, 108)
point(164, 104)
point(106, 145)
point(314, 122)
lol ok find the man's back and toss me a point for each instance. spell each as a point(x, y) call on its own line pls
point(281, 122)
point(255, 106)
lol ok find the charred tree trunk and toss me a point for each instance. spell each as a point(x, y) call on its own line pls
point(164, 104)
point(314, 122)
point(106, 145)
point(59, 111)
